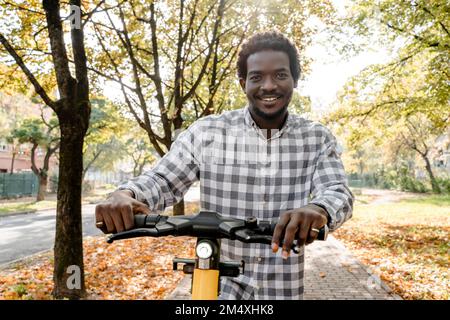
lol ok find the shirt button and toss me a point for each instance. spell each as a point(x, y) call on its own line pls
point(259, 259)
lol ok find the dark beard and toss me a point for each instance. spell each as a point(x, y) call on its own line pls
point(270, 116)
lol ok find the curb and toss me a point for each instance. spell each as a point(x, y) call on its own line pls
point(24, 212)
point(182, 291)
point(17, 213)
point(35, 210)
point(10, 264)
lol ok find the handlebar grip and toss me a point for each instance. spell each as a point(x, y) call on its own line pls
point(147, 220)
point(139, 220)
point(323, 233)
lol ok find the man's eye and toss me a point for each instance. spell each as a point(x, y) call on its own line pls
point(282, 75)
point(255, 78)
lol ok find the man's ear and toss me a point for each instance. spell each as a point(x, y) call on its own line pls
point(242, 83)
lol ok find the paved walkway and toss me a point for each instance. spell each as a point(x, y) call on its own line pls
point(331, 273)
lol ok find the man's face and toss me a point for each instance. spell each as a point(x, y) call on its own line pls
point(269, 83)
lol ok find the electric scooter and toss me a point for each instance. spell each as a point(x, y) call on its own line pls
point(208, 227)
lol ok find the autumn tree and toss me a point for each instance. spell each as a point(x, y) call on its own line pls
point(139, 150)
point(33, 38)
point(416, 80)
point(40, 134)
point(103, 145)
point(419, 135)
point(384, 102)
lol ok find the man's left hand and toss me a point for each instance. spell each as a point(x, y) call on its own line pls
point(298, 224)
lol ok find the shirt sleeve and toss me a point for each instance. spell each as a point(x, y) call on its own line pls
point(329, 184)
point(169, 180)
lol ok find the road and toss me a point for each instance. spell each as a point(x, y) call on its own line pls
point(27, 234)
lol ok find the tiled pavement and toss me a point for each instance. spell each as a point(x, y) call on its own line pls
point(331, 272)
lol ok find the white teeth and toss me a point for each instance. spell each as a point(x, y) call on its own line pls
point(270, 99)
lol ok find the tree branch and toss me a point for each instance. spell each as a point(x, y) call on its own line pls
point(157, 80)
point(90, 13)
point(89, 164)
point(34, 168)
point(48, 154)
point(64, 79)
point(80, 59)
point(417, 37)
point(438, 21)
point(211, 45)
point(37, 87)
point(23, 8)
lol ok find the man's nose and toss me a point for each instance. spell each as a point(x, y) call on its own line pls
point(268, 84)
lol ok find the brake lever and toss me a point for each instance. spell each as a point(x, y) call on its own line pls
point(250, 236)
point(134, 233)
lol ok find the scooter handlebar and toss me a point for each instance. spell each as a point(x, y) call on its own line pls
point(205, 224)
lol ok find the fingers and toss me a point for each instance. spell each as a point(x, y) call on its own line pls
point(110, 227)
point(312, 232)
point(102, 220)
point(139, 207)
point(301, 225)
point(99, 221)
point(303, 233)
point(128, 217)
point(289, 236)
point(279, 228)
point(117, 213)
point(118, 221)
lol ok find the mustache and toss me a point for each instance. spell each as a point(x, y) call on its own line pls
point(268, 93)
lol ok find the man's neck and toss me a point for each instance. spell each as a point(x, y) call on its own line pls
point(275, 123)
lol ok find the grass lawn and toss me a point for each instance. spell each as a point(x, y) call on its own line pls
point(406, 243)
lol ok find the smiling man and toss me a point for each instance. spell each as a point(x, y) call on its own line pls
point(269, 85)
point(260, 161)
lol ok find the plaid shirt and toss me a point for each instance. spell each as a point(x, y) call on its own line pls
point(242, 174)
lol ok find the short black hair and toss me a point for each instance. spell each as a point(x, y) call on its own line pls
point(270, 40)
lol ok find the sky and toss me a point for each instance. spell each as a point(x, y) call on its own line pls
point(327, 77)
point(330, 71)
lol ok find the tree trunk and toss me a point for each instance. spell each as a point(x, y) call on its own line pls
point(361, 168)
point(135, 169)
point(434, 185)
point(68, 273)
point(42, 190)
point(141, 167)
point(178, 209)
point(12, 162)
point(73, 111)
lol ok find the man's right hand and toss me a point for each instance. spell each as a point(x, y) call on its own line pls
point(116, 214)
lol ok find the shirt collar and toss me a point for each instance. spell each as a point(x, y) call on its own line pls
point(251, 123)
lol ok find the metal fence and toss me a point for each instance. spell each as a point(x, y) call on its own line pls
point(356, 183)
point(18, 184)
